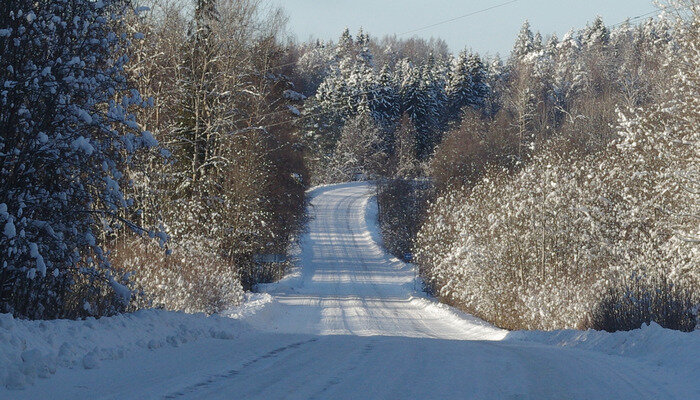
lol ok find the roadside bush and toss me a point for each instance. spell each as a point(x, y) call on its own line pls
point(188, 278)
point(401, 206)
point(538, 250)
point(631, 302)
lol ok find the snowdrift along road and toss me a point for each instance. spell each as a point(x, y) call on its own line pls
point(349, 324)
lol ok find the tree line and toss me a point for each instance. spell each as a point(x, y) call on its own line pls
point(575, 205)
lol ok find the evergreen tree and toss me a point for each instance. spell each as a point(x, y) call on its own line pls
point(479, 85)
point(360, 149)
point(386, 101)
point(364, 55)
point(66, 138)
point(524, 43)
point(345, 47)
point(468, 84)
point(597, 34)
point(459, 85)
point(538, 44)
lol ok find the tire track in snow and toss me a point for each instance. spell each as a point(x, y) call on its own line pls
point(189, 390)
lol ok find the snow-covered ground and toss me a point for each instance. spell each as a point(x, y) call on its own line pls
point(349, 323)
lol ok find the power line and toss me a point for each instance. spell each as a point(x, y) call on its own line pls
point(636, 18)
point(658, 10)
point(456, 18)
point(418, 29)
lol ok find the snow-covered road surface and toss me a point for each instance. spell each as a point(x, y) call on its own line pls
point(348, 285)
point(349, 324)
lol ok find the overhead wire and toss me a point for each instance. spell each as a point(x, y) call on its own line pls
point(457, 18)
point(302, 117)
point(657, 11)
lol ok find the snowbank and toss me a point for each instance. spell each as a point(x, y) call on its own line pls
point(673, 350)
point(253, 303)
point(651, 342)
point(34, 349)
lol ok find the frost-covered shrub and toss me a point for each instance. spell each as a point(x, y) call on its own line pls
point(66, 138)
point(187, 278)
point(509, 249)
point(401, 205)
point(537, 250)
point(634, 301)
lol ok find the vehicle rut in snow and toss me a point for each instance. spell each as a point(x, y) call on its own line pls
point(348, 285)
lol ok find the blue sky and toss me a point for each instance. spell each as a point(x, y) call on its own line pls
point(489, 32)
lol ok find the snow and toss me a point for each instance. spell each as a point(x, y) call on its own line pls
point(122, 291)
point(349, 322)
point(81, 143)
point(293, 95)
point(10, 230)
point(652, 344)
point(294, 110)
point(30, 348)
point(34, 253)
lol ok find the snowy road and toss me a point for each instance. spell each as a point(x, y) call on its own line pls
point(348, 325)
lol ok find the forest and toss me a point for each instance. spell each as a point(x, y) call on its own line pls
point(157, 154)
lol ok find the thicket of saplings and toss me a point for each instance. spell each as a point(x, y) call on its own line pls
point(575, 205)
point(401, 205)
point(569, 197)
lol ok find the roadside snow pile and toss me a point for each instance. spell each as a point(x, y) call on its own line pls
point(472, 327)
point(253, 303)
point(651, 343)
point(31, 349)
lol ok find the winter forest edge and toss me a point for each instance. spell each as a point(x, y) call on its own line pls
point(157, 154)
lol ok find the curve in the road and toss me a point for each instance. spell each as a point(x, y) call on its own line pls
point(348, 285)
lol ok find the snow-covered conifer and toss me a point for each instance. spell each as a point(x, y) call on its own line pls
point(67, 136)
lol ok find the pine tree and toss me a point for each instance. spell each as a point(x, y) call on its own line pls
point(479, 86)
point(538, 44)
point(345, 47)
point(550, 48)
point(569, 73)
point(385, 105)
point(364, 55)
point(459, 85)
point(597, 34)
point(428, 110)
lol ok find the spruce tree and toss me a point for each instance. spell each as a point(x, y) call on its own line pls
point(524, 43)
point(67, 136)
